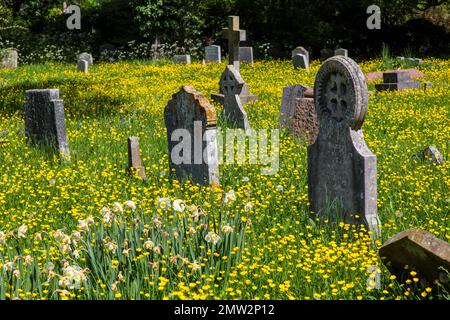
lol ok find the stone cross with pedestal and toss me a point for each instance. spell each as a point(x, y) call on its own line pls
point(342, 171)
point(234, 36)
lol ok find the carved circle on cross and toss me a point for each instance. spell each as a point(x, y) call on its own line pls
point(340, 92)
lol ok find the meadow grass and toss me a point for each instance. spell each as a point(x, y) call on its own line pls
point(68, 232)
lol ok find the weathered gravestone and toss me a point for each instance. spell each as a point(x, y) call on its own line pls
point(420, 251)
point(86, 56)
point(196, 155)
point(83, 66)
point(341, 52)
point(134, 158)
point(246, 55)
point(213, 54)
point(44, 120)
point(9, 58)
point(182, 59)
point(232, 85)
point(342, 171)
point(432, 154)
point(301, 50)
point(300, 61)
point(297, 113)
point(397, 80)
point(234, 36)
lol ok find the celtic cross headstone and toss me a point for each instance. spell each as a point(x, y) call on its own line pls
point(342, 171)
point(232, 84)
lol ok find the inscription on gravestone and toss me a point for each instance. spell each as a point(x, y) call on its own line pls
point(341, 168)
point(246, 55)
point(195, 157)
point(213, 54)
point(44, 119)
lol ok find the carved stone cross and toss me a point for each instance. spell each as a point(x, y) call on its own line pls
point(234, 35)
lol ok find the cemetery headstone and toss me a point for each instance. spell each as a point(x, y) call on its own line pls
point(245, 96)
point(44, 120)
point(190, 110)
point(231, 85)
point(234, 36)
point(420, 251)
point(134, 158)
point(432, 154)
point(300, 61)
point(246, 55)
point(9, 58)
point(341, 52)
point(83, 66)
point(301, 50)
point(182, 59)
point(326, 53)
point(342, 171)
point(86, 56)
point(297, 113)
point(213, 54)
point(397, 80)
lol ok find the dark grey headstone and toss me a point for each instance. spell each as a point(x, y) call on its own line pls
point(9, 58)
point(182, 59)
point(232, 84)
point(301, 50)
point(86, 56)
point(44, 120)
point(418, 250)
point(326, 53)
point(246, 55)
point(191, 111)
point(397, 80)
point(213, 54)
point(134, 158)
point(342, 171)
point(300, 61)
point(83, 66)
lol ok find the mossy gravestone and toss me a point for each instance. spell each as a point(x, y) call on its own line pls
point(191, 134)
point(8, 58)
point(44, 120)
point(342, 171)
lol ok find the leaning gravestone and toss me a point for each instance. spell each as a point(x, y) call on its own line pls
point(432, 155)
point(300, 61)
point(342, 171)
point(297, 113)
point(9, 58)
point(86, 56)
point(301, 50)
point(44, 120)
point(397, 80)
point(341, 52)
point(213, 54)
point(83, 66)
point(232, 84)
point(420, 251)
point(134, 158)
point(182, 59)
point(191, 111)
point(244, 95)
point(246, 55)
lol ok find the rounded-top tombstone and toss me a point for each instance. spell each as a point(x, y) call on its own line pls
point(341, 168)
